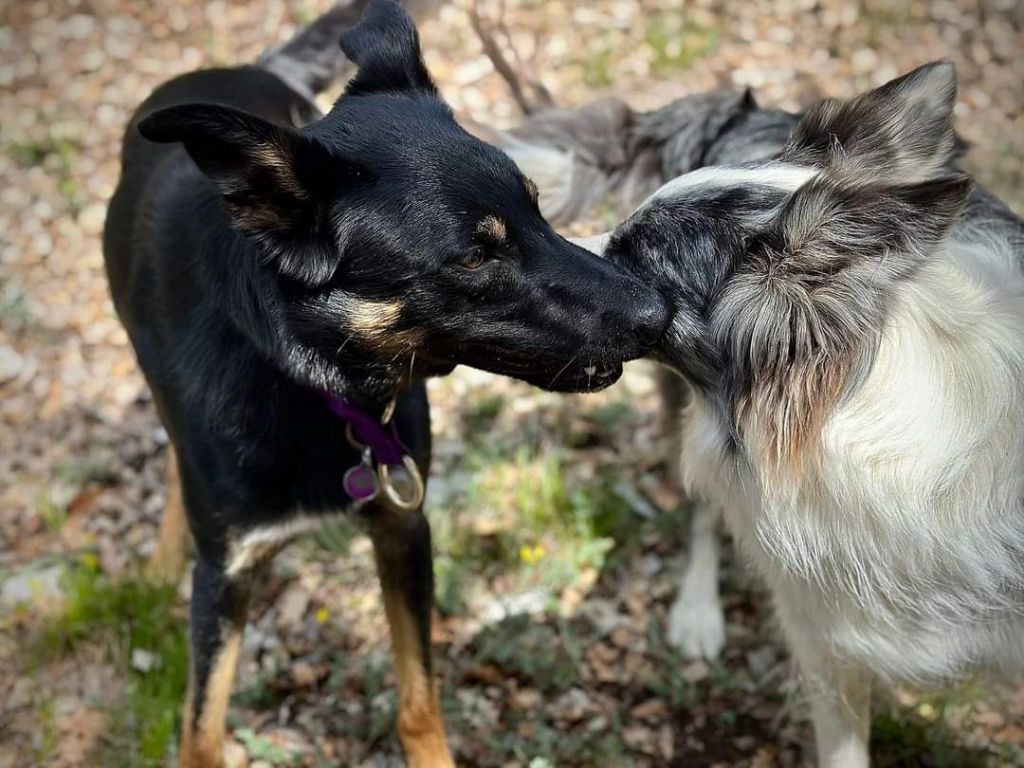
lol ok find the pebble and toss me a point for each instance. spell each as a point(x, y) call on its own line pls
point(33, 585)
point(143, 660)
point(864, 61)
point(78, 27)
point(11, 364)
point(236, 755)
point(91, 218)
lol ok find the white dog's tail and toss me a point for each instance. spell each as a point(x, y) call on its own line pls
point(311, 61)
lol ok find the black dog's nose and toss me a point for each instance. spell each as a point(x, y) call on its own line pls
point(652, 318)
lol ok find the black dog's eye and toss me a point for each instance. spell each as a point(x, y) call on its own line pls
point(474, 259)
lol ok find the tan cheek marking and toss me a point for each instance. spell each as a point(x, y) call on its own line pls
point(373, 322)
point(368, 317)
point(420, 724)
point(202, 744)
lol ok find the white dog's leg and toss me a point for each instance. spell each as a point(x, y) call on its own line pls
point(840, 697)
point(842, 720)
point(696, 623)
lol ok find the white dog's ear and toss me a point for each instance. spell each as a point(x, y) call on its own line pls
point(900, 133)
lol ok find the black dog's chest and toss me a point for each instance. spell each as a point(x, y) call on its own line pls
point(303, 464)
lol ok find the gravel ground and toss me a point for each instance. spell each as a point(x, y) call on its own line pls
point(82, 454)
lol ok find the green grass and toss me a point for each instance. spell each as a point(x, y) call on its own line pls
point(54, 153)
point(124, 616)
point(262, 749)
point(47, 740)
point(14, 314)
point(365, 680)
point(29, 154)
point(919, 736)
point(52, 514)
point(542, 530)
point(676, 43)
point(480, 415)
point(96, 465)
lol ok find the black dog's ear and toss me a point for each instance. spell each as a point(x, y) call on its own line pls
point(386, 48)
point(276, 183)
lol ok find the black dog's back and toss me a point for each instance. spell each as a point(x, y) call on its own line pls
point(153, 173)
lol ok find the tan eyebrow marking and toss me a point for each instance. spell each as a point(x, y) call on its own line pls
point(493, 227)
point(531, 188)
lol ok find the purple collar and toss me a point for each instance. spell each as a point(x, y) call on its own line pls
point(395, 474)
point(381, 439)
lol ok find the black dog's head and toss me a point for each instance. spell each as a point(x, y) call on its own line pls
point(402, 246)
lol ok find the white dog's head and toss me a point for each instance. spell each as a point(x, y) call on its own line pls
point(781, 273)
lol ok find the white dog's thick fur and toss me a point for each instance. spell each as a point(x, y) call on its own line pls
point(857, 408)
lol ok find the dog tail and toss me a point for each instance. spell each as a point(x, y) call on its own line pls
point(312, 60)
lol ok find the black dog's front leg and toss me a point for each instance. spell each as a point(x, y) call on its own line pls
point(219, 606)
point(401, 542)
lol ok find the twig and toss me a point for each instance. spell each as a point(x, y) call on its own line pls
point(541, 96)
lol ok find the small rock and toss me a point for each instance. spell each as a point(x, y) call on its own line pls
point(303, 674)
point(640, 738)
point(501, 607)
point(761, 661)
point(573, 705)
point(235, 755)
point(78, 27)
point(652, 709)
point(143, 660)
point(91, 218)
point(11, 364)
point(991, 718)
point(666, 742)
point(694, 672)
point(864, 61)
point(528, 698)
point(32, 586)
point(292, 605)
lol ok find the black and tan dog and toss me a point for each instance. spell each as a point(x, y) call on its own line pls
point(286, 289)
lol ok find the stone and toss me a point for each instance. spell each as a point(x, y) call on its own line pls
point(91, 218)
point(11, 364)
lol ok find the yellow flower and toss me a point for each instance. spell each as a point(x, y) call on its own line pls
point(322, 615)
point(532, 555)
point(927, 711)
point(90, 561)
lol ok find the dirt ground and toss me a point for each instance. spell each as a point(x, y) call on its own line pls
point(559, 535)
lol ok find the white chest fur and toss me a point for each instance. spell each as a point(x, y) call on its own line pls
point(908, 531)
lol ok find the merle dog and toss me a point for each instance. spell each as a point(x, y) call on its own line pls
point(847, 319)
point(287, 289)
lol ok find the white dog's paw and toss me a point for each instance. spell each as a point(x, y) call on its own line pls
point(697, 628)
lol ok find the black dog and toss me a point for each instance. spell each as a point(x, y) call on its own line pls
point(284, 288)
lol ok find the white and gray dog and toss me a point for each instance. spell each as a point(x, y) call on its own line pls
point(849, 319)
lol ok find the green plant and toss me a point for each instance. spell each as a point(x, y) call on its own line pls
point(52, 514)
point(480, 415)
point(260, 748)
point(676, 43)
point(126, 616)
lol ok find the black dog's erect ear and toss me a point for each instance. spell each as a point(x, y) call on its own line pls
point(386, 48)
point(275, 182)
point(901, 132)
